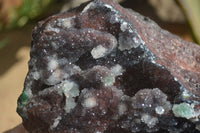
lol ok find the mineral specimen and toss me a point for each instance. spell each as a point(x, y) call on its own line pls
point(100, 68)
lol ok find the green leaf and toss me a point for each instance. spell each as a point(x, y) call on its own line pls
point(191, 9)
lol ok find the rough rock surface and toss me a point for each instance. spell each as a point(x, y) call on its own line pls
point(100, 68)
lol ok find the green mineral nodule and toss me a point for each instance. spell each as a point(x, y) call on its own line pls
point(23, 99)
point(183, 110)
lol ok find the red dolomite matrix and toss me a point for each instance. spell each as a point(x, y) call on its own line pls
point(100, 68)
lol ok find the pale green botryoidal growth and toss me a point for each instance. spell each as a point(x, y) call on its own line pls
point(183, 110)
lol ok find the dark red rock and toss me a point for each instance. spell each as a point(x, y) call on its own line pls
point(102, 68)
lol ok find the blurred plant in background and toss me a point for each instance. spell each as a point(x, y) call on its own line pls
point(16, 13)
point(191, 8)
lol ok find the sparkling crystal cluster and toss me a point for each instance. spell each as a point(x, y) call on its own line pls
point(100, 68)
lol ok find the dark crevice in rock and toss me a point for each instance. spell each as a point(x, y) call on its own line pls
point(145, 75)
point(117, 130)
point(44, 86)
point(83, 61)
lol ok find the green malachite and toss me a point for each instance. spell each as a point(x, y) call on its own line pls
point(23, 99)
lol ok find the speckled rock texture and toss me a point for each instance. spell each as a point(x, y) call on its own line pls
point(100, 68)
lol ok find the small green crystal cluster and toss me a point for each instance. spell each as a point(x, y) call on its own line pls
point(21, 102)
point(183, 110)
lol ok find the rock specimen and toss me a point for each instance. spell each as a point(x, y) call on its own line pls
point(100, 68)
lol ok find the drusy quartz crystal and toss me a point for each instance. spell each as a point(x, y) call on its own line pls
point(100, 68)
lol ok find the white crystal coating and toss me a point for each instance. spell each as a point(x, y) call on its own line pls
point(122, 108)
point(54, 45)
point(110, 7)
point(137, 41)
point(56, 122)
point(28, 92)
point(117, 70)
point(159, 110)
point(54, 78)
point(53, 64)
point(126, 43)
point(36, 75)
point(70, 104)
point(186, 94)
point(50, 28)
point(66, 22)
point(98, 52)
point(149, 120)
point(90, 102)
point(124, 26)
point(70, 90)
point(67, 86)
